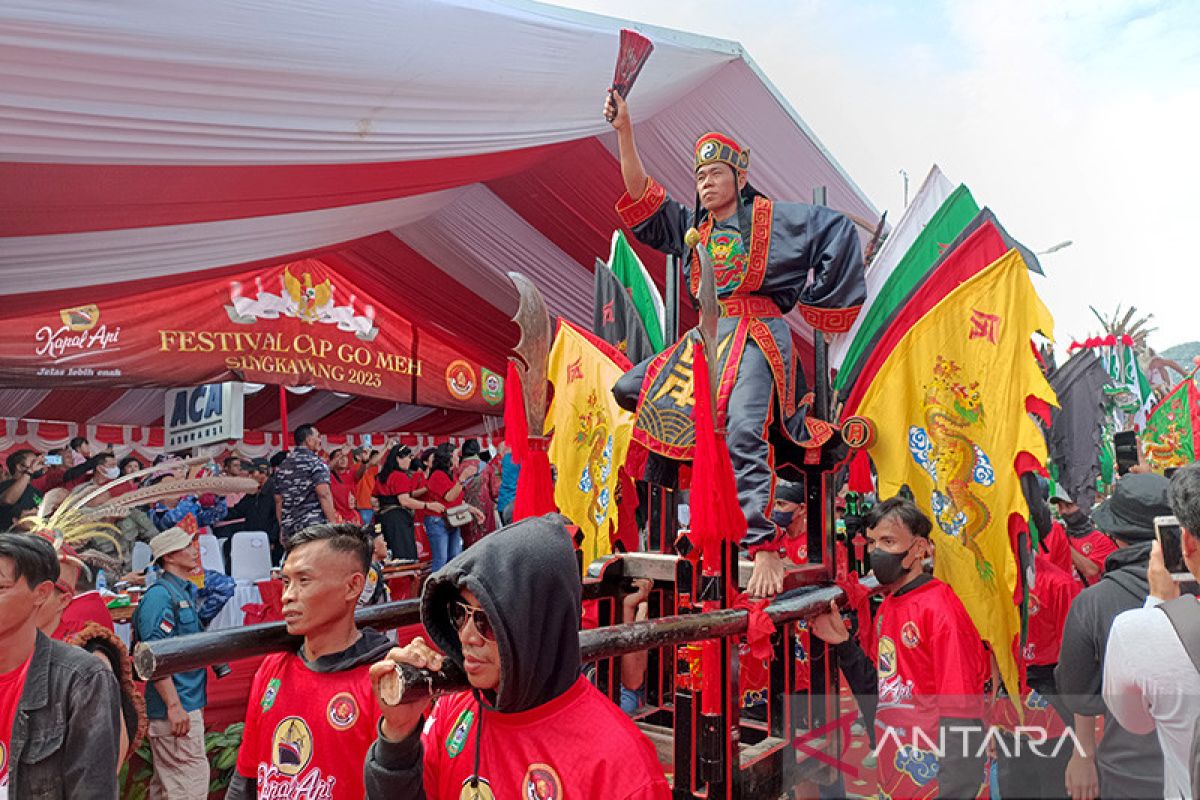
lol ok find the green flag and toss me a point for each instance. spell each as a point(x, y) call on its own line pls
point(633, 276)
point(1130, 395)
point(944, 227)
point(1169, 438)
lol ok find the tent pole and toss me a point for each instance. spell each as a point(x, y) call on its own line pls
point(671, 317)
point(283, 416)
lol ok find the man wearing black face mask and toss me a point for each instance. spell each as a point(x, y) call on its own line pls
point(929, 668)
point(1089, 547)
point(790, 514)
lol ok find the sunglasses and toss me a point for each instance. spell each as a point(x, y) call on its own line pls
point(460, 612)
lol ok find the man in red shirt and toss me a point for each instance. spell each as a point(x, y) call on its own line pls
point(1090, 548)
point(59, 706)
point(929, 671)
point(507, 611)
point(311, 714)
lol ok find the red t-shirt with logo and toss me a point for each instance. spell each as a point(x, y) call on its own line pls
point(577, 745)
point(12, 684)
point(307, 733)
point(931, 664)
point(1097, 548)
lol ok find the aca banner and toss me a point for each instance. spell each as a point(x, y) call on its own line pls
point(295, 324)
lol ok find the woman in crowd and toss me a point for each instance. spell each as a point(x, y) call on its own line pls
point(470, 476)
point(444, 540)
point(341, 485)
point(394, 488)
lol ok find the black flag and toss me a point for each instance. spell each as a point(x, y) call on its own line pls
point(614, 318)
point(1076, 430)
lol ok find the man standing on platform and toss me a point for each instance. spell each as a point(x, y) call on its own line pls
point(302, 495)
point(312, 713)
point(929, 670)
point(175, 704)
point(762, 254)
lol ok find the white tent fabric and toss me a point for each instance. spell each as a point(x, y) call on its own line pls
point(68, 260)
point(436, 144)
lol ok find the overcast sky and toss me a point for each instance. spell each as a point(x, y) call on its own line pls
point(1071, 120)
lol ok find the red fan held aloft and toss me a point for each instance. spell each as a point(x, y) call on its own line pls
point(631, 57)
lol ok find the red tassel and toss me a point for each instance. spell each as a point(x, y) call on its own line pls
point(859, 479)
point(718, 517)
point(535, 485)
point(516, 424)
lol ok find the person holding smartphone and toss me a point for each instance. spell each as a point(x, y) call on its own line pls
point(1123, 763)
point(1152, 663)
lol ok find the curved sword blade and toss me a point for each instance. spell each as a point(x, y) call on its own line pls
point(533, 349)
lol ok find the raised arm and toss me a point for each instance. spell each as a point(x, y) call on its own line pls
point(616, 111)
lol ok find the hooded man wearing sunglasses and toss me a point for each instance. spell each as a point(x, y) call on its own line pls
point(507, 611)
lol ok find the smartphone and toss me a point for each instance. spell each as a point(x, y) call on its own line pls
point(1126, 445)
point(53, 460)
point(1166, 530)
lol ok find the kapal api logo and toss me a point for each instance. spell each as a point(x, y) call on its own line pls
point(80, 335)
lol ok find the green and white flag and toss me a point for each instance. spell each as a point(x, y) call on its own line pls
point(633, 276)
point(1130, 394)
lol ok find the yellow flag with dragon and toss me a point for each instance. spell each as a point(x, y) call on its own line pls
point(591, 434)
point(950, 408)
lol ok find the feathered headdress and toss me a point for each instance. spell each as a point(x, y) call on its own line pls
point(65, 518)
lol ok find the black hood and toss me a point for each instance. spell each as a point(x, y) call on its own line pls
point(371, 647)
point(1127, 568)
point(527, 581)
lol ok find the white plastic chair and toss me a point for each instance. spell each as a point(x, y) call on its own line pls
point(210, 552)
point(141, 556)
point(250, 558)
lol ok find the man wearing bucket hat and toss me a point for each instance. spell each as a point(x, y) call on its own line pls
point(763, 253)
point(175, 704)
point(1125, 764)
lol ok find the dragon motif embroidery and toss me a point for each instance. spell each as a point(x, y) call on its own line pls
point(593, 433)
point(945, 450)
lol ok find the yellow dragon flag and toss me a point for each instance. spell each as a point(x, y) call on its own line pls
point(949, 406)
point(591, 434)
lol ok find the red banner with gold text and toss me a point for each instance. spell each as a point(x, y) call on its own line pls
point(296, 324)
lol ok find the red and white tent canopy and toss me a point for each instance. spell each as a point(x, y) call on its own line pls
point(423, 148)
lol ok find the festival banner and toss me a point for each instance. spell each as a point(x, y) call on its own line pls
point(591, 434)
point(295, 324)
point(951, 426)
point(1169, 438)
